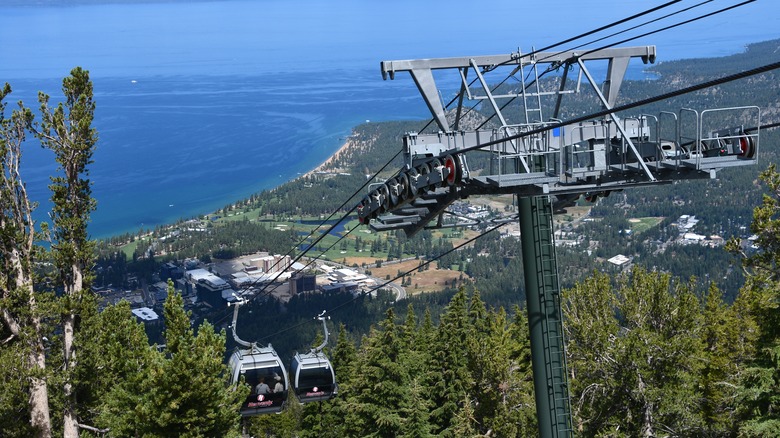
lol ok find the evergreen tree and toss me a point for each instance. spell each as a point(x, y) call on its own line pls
point(343, 355)
point(591, 326)
point(729, 334)
point(415, 413)
point(184, 390)
point(378, 391)
point(409, 329)
point(22, 351)
point(494, 373)
point(760, 389)
point(415, 347)
point(634, 365)
point(284, 424)
point(67, 131)
point(464, 423)
point(427, 332)
point(449, 373)
point(114, 358)
point(518, 392)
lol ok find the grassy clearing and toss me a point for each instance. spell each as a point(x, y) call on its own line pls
point(129, 249)
point(572, 213)
point(431, 280)
point(642, 224)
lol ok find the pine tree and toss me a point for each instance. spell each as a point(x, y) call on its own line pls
point(182, 391)
point(378, 391)
point(415, 347)
point(284, 424)
point(760, 387)
point(409, 329)
point(464, 423)
point(415, 413)
point(344, 354)
point(23, 351)
point(67, 131)
point(634, 365)
point(591, 328)
point(449, 373)
point(729, 334)
point(518, 392)
point(114, 358)
point(494, 373)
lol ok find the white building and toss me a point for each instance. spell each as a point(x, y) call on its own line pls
point(346, 275)
point(206, 279)
point(145, 314)
point(619, 260)
point(693, 237)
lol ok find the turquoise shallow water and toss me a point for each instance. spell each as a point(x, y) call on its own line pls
point(201, 104)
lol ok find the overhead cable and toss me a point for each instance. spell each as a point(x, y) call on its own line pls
point(407, 272)
point(560, 43)
point(632, 105)
point(673, 26)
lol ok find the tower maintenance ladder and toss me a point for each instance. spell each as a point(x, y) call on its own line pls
point(545, 318)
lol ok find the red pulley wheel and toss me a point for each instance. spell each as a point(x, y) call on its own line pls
point(452, 170)
point(746, 148)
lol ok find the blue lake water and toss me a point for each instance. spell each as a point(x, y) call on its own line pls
point(183, 146)
point(201, 104)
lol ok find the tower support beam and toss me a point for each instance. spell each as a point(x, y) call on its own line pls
point(545, 321)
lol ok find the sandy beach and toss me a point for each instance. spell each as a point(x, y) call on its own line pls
point(347, 144)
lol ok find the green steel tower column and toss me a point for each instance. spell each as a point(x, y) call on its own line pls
point(548, 358)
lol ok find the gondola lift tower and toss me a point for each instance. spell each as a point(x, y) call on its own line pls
point(548, 164)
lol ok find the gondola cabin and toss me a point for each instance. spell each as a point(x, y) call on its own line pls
point(313, 378)
point(263, 371)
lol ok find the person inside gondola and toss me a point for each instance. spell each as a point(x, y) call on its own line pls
point(278, 387)
point(262, 387)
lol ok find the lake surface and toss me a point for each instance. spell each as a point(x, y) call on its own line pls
point(201, 104)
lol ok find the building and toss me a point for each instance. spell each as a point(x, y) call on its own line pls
point(300, 283)
point(269, 263)
point(170, 270)
point(619, 260)
point(209, 287)
point(346, 275)
point(350, 286)
point(685, 223)
point(159, 291)
point(229, 296)
point(693, 237)
point(146, 315)
point(243, 280)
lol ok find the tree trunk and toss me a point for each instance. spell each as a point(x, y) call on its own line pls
point(40, 418)
point(70, 423)
point(70, 420)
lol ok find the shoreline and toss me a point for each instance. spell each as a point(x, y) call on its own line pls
point(348, 143)
point(333, 157)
